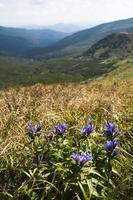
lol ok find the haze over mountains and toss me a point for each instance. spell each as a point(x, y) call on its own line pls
point(60, 27)
point(65, 28)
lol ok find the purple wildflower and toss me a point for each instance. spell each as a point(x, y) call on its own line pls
point(116, 152)
point(86, 130)
point(38, 128)
point(60, 129)
point(110, 145)
point(82, 158)
point(110, 132)
point(109, 129)
point(34, 130)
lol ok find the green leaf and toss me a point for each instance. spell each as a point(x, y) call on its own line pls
point(83, 192)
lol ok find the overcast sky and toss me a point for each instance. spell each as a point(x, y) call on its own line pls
point(48, 12)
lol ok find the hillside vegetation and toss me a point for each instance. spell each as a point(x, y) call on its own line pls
point(115, 46)
point(16, 71)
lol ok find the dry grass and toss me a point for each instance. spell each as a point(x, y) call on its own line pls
point(66, 102)
point(70, 103)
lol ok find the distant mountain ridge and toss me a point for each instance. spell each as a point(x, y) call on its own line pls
point(48, 43)
point(79, 42)
point(60, 27)
point(19, 40)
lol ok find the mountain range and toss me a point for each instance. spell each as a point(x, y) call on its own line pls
point(60, 27)
point(50, 43)
point(84, 55)
point(80, 41)
point(111, 55)
point(16, 41)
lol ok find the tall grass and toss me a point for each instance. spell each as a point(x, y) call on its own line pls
point(72, 104)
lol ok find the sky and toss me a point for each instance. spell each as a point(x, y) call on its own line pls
point(49, 12)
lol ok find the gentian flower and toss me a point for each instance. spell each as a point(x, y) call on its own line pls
point(60, 129)
point(109, 129)
point(34, 130)
point(110, 145)
point(86, 130)
point(116, 152)
point(110, 132)
point(82, 158)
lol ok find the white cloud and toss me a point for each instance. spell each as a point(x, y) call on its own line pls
point(44, 12)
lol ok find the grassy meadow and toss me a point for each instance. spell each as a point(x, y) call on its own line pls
point(42, 169)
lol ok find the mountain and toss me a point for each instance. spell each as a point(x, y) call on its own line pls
point(79, 42)
point(116, 45)
point(66, 28)
point(111, 56)
point(11, 45)
point(14, 40)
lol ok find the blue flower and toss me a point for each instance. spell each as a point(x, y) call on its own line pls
point(82, 158)
point(75, 156)
point(115, 143)
point(116, 152)
point(110, 132)
point(109, 129)
point(34, 130)
point(38, 128)
point(110, 145)
point(60, 129)
point(86, 130)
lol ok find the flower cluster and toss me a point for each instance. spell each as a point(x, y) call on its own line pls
point(86, 130)
point(60, 129)
point(110, 133)
point(34, 130)
point(110, 147)
point(82, 158)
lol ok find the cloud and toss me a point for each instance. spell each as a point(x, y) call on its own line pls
point(39, 2)
point(45, 12)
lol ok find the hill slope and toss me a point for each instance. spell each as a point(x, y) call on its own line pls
point(80, 41)
point(11, 38)
point(16, 71)
point(11, 45)
point(116, 45)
